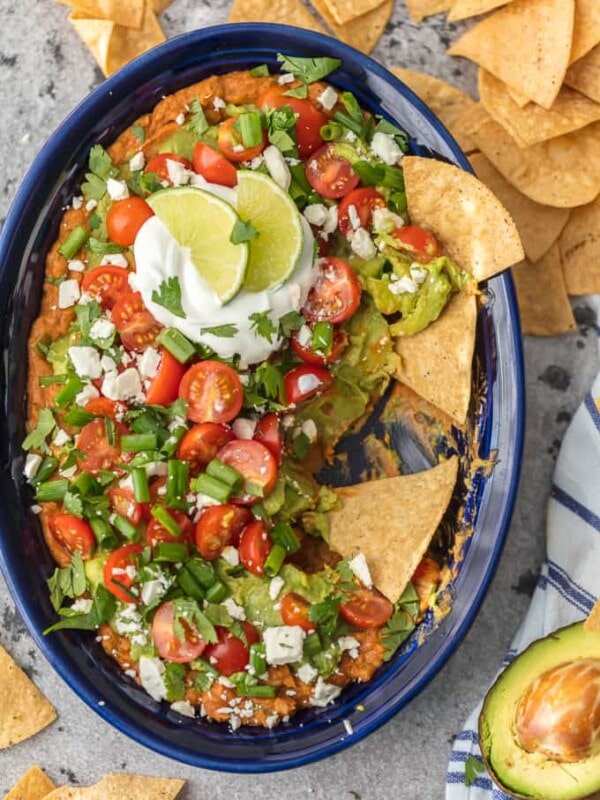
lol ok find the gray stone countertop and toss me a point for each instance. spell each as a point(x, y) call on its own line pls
point(44, 71)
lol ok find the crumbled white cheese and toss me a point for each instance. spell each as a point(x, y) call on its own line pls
point(309, 429)
point(117, 190)
point(86, 361)
point(83, 605)
point(108, 364)
point(257, 162)
point(418, 273)
point(304, 336)
point(283, 645)
point(349, 643)
point(276, 585)
point(231, 555)
point(151, 591)
point(235, 611)
point(76, 265)
point(102, 329)
point(180, 119)
point(184, 707)
point(61, 438)
point(69, 473)
point(137, 162)
point(152, 677)
point(385, 221)
point(125, 385)
point(91, 205)
point(332, 220)
point(316, 214)
point(68, 293)
point(362, 244)
point(32, 464)
point(89, 392)
point(149, 362)
point(77, 202)
point(244, 428)
point(384, 146)
point(308, 383)
point(35, 509)
point(179, 175)
point(286, 77)
point(218, 103)
point(307, 673)
point(360, 568)
point(403, 285)
point(324, 693)
point(328, 98)
point(353, 217)
point(156, 469)
point(128, 620)
point(277, 166)
point(114, 260)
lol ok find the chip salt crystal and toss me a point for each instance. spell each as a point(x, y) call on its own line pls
point(277, 166)
point(86, 361)
point(152, 672)
point(385, 147)
point(284, 645)
point(360, 568)
point(117, 190)
point(68, 293)
point(328, 98)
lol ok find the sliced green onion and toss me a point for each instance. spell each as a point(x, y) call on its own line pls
point(190, 585)
point(69, 391)
point(177, 344)
point(52, 491)
point(126, 528)
point(216, 593)
point(85, 484)
point(141, 490)
point(177, 478)
point(74, 242)
point(170, 551)
point(224, 473)
point(170, 445)
point(331, 131)
point(349, 122)
point(111, 431)
point(45, 470)
point(212, 487)
point(104, 533)
point(162, 516)
point(283, 534)
point(135, 442)
point(258, 658)
point(250, 128)
point(312, 645)
point(262, 690)
point(322, 339)
point(275, 560)
point(202, 572)
point(49, 380)
point(79, 418)
point(255, 489)
point(351, 105)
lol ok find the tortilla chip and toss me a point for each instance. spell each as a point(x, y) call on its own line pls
point(586, 30)
point(592, 623)
point(473, 8)
point(125, 44)
point(129, 13)
point(532, 124)
point(392, 521)
point(96, 34)
point(363, 32)
point(584, 75)
point(526, 44)
point(436, 363)
point(158, 6)
point(542, 294)
point(24, 711)
point(580, 249)
point(470, 223)
point(419, 9)
point(539, 226)
point(563, 172)
point(446, 101)
point(290, 12)
point(519, 98)
point(34, 785)
point(343, 11)
point(122, 787)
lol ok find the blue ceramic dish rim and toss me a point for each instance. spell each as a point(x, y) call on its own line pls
point(139, 69)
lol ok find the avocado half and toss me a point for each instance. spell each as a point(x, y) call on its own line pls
point(559, 678)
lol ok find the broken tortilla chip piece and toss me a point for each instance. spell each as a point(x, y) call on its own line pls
point(158, 6)
point(290, 12)
point(539, 226)
point(96, 34)
point(343, 11)
point(122, 787)
point(543, 303)
point(519, 98)
point(129, 14)
point(446, 101)
point(470, 223)
point(437, 362)
point(462, 9)
point(584, 75)
point(571, 110)
point(562, 172)
point(538, 31)
point(580, 249)
point(34, 785)
point(364, 32)
point(392, 521)
point(592, 623)
point(24, 711)
point(586, 29)
point(419, 9)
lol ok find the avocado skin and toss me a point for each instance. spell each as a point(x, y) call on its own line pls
point(548, 641)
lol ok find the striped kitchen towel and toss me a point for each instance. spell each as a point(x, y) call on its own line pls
point(569, 581)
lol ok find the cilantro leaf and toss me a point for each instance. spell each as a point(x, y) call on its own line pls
point(402, 622)
point(205, 676)
point(242, 232)
point(144, 183)
point(100, 163)
point(73, 504)
point(93, 188)
point(269, 379)
point(401, 137)
point(308, 70)
point(67, 582)
point(262, 71)
point(174, 677)
point(473, 768)
point(87, 314)
point(103, 608)
point(325, 614)
point(189, 611)
point(292, 321)
point(169, 296)
point(298, 91)
point(198, 122)
point(139, 133)
point(300, 446)
point(263, 325)
point(100, 248)
point(36, 439)
point(224, 331)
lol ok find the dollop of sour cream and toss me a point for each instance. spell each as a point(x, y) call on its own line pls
point(158, 257)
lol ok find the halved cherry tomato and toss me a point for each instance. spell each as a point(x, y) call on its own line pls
point(364, 200)
point(106, 284)
point(164, 386)
point(93, 442)
point(230, 654)
point(155, 532)
point(294, 611)
point(304, 382)
point(230, 143)
point(421, 243)
point(169, 646)
point(426, 579)
point(255, 463)
point(309, 120)
point(73, 534)
point(329, 174)
point(117, 578)
point(340, 340)
point(103, 407)
point(201, 444)
point(125, 218)
point(335, 295)
point(267, 432)
point(366, 608)
point(218, 527)
point(135, 324)
point(213, 392)
point(213, 166)
point(158, 490)
point(255, 546)
point(158, 165)
point(123, 503)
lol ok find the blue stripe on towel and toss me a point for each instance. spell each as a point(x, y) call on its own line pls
point(585, 595)
point(569, 502)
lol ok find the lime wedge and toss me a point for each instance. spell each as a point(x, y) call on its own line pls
point(203, 223)
point(276, 250)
